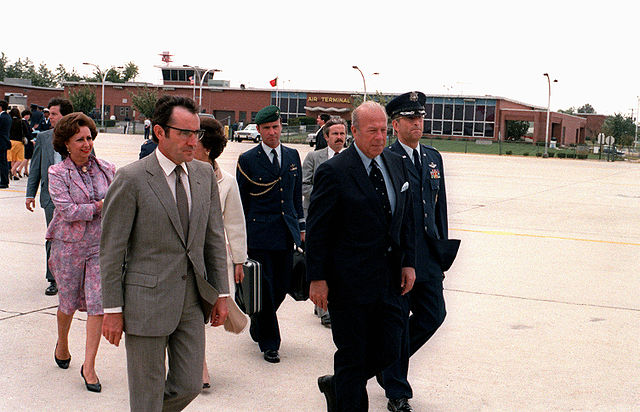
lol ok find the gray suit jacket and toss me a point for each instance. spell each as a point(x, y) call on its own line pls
point(39, 169)
point(309, 167)
point(144, 257)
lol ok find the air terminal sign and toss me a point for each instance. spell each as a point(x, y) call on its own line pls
point(329, 99)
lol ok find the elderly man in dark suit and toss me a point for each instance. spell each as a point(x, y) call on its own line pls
point(426, 300)
point(270, 180)
point(360, 256)
point(163, 262)
point(43, 157)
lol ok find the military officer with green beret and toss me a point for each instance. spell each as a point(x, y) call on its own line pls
point(270, 180)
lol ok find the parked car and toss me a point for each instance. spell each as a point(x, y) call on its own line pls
point(248, 133)
point(612, 149)
point(311, 139)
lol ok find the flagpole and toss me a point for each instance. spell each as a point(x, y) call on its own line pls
point(277, 87)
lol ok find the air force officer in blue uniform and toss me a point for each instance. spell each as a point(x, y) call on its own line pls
point(270, 181)
point(426, 181)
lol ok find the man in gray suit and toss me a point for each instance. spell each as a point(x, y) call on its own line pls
point(335, 134)
point(163, 262)
point(43, 157)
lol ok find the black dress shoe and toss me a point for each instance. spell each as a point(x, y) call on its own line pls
point(399, 405)
point(206, 385)
point(272, 356)
point(51, 290)
point(91, 387)
point(62, 363)
point(325, 383)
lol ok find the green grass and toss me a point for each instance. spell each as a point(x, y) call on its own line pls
point(516, 149)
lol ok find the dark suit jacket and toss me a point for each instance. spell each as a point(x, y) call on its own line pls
point(348, 242)
point(5, 129)
point(147, 148)
point(272, 202)
point(321, 142)
point(39, 170)
point(429, 206)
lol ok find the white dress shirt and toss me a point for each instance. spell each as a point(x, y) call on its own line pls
point(268, 150)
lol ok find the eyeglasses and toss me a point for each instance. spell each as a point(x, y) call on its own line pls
point(186, 133)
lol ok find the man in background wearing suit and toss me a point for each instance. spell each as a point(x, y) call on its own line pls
point(426, 300)
point(43, 157)
point(321, 141)
point(5, 143)
point(360, 256)
point(335, 132)
point(270, 180)
point(163, 262)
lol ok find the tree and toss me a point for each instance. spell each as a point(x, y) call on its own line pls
point(83, 100)
point(570, 110)
point(130, 71)
point(586, 108)
point(516, 129)
point(144, 100)
point(621, 128)
point(62, 75)
point(356, 100)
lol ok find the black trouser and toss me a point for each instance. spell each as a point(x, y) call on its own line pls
point(426, 302)
point(368, 340)
point(48, 214)
point(4, 168)
point(276, 280)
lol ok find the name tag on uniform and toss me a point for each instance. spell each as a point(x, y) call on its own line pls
point(292, 167)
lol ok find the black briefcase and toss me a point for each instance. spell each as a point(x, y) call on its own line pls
point(299, 288)
point(249, 291)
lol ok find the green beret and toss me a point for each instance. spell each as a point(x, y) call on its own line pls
point(267, 114)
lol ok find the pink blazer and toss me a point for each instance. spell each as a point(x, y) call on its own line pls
point(74, 207)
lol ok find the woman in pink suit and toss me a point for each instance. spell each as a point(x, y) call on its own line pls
point(77, 186)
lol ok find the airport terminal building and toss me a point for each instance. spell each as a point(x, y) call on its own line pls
point(447, 116)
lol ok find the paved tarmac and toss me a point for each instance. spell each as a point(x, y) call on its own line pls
point(543, 308)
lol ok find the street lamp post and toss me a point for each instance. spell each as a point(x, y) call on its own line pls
point(104, 77)
point(364, 82)
point(195, 80)
point(546, 136)
point(204, 76)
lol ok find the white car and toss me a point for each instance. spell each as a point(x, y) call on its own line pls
point(248, 133)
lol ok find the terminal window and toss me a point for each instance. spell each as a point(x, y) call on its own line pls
point(460, 117)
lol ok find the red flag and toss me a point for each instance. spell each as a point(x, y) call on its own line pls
point(273, 82)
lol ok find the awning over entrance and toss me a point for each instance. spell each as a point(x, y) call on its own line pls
point(327, 109)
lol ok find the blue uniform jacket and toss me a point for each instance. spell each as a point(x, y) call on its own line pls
point(272, 202)
point(429, 206)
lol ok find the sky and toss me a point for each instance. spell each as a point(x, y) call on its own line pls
point(458, 47)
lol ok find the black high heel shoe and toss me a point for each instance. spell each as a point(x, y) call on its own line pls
point(91, 387)
point(62, 363)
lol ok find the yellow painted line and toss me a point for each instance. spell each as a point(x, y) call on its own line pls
point(502, 233)
point(12, 190)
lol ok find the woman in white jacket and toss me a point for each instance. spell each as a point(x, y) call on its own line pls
point(209, 147)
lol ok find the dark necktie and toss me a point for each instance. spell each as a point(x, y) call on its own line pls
point(416, 163)
point(182, 202)
point(276, 165)
point(381, 190)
